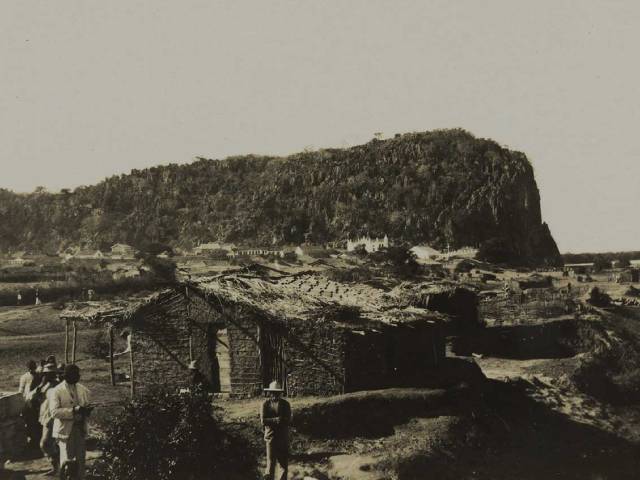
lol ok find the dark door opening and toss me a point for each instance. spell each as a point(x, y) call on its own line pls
point(273, 355)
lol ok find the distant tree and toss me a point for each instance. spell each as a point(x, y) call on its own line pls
point(163, 269)
point(155, 248)
point(600, 264)
point(496, 250)
point(360, 251)
point(624, 262)
point(399, 258)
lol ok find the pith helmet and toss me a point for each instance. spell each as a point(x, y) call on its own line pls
point(274, 386)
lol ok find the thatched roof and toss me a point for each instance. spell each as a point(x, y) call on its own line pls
point(307, 296)
point(114, 312)
point(274, 296)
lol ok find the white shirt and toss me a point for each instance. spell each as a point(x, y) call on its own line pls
point(25, 384)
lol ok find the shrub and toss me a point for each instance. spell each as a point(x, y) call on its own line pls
point(172, 436)
point(98, 345)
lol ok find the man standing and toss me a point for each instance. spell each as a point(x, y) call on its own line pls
point(27, 379)
point(47, 442)
point(28, 382)
point(69, 405)
point(275, 417)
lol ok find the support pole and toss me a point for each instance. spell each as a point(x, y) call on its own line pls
point(66, 341)
point(112, 370)
point(75, 342)
point(131, 365)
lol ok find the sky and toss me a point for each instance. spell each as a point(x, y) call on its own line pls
point(90, 89)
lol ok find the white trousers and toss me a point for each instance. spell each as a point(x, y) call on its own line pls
point(74, 447)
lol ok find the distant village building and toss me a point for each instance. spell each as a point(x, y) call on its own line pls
point(210, 247)
point(630, 275)
point(573, 269)
point(370, 244)
point(123, 251)
point(425, 252)
point(312, 251)
point(16, 261)
point(464, 252)
point(255, 252)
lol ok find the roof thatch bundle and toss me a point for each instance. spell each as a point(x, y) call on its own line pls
point(114, 312)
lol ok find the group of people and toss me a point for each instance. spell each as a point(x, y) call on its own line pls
point(56, 412)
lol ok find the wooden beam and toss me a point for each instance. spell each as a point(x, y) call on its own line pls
point(75, 342)
point(112, 370)
point(133, 388)
point(66, 341)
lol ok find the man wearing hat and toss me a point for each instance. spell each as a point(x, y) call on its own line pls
point(47, 442)
point(275, 417)
point(69, 405)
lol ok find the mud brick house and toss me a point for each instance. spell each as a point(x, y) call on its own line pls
point(316, 336)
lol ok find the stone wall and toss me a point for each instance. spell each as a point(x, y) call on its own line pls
point(13, 435)
point(524, 307)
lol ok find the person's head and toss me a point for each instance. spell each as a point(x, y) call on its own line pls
point(31, 366)
point(50, 372)
point(71, 374)
point(274, 390)
point(51, 359)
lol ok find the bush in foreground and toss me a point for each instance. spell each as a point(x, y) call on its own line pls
point(171, 436)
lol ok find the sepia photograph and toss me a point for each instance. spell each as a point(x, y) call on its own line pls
point(330, 240)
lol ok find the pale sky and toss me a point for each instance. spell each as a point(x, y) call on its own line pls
point(93, 88)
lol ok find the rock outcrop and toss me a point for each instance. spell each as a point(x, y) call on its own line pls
point(441, 188)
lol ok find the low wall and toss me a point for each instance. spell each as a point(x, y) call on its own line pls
point(13, 435)
point(525, 307)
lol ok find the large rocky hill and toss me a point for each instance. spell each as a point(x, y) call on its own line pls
point(440, 187)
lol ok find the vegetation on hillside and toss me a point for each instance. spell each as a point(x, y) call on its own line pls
point(441, 187)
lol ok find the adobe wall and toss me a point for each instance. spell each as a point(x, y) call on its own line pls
point(315, 358)
point(524, 307)
point(160, 346)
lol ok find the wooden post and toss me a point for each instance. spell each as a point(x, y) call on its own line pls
point(75, 342)
point(66, 341)
point(111, 367)
point(131, 364)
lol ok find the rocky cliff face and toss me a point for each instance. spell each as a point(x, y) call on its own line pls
point(440, 187)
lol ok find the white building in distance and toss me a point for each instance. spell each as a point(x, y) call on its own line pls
point(370, 244)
